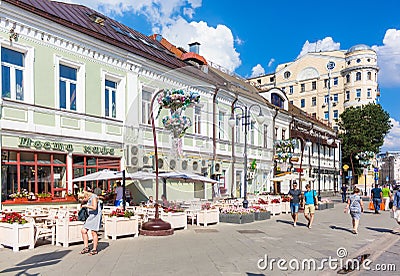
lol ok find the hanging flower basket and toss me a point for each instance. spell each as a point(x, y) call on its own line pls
point(177, 124)
point(177, 99)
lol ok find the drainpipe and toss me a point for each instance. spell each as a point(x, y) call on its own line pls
point(233, 149)
point(214, 156)
point(273, 143)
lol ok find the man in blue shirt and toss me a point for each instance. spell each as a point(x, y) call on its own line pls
point(294, 195)
point(311, 203)
point(376, 197)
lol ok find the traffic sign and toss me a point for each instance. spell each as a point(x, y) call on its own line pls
point(376, 169)
point(330, 65)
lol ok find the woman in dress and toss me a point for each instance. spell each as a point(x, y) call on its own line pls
point(355, 207)
point(92, 223)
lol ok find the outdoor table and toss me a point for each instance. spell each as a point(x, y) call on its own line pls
point(37, 217)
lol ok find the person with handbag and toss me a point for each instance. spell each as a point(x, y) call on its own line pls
point(355, 207)
point(376, 198)
point(396, 205)
point(92, 223)
point(310, 203)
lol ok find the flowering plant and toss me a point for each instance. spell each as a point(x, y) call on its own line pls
point(173, 209)
point(22, 193)
point(175, 99)
point(177, 123)
point(73, 216)
point(120, 213)
point(236, 210)
point(44, 195)
point(262, 201)
point(275, 200)
point(258, 209)
point(283, 149)
point(14, 217)
point(285, 199)
point(207, 206)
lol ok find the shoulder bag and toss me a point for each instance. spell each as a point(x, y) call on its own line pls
point(83, 214)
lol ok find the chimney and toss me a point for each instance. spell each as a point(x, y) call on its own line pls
point(194, 47)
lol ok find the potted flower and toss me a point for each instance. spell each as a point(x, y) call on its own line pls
point(44, 197)
point(121, 223)
point(236, 215)
point(285, 204)
point(176, 216)
point(261, 213)
point(208, 214)
point(20, 197)
point(16, 232)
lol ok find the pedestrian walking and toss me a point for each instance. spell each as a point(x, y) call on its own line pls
point(92, 223)
point(310, 204)
point(344, 192)
point(386, 194)
point(294, 195)
point(396, 204)
point(355, 207)
point(376, 197)
point(119, 194)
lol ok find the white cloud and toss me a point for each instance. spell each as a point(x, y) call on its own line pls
point(393, 137)
point(217, 44)
point(257, 71)
point(389, 59)
point(271, 62)
point(326, 44)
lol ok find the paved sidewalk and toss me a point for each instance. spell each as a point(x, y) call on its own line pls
point(223, 249)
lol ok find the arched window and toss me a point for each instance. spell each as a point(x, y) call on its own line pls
point(277, 100)
point(369, 75)
point(348, 78)
point(286, 75)
point(358, 76)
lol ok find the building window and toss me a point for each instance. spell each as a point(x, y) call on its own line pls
point(335, 114)
point(369, 75)
point(303, 87)
point(283, 134)
point(291, 102)
point(347, 95)
point(221, 126)
point(335, 81)
point(286, 75)
point(326, 99)
point(303, 103)
point(283, 89)
point(110, 97)
point(335, 98)
point(265, 144)
point(291, 89)
point(12, 74)
point(259, 81)
point(314, 101)
point(326, 83)
point(68, 87)
point(314, 85)
point(358, 76)
point(369, 93)
point(276, 133)
point(314, 115)
point(197, 119)
point(358, 60)
point(348, 78)
point(146, 101)
point(326, 117)
point(271, 79)
point(358, 93)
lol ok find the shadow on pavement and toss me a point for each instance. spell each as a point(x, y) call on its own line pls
point(334, 227)
point(253, 274)
point(290, 222)
point(383, 230)
point(40, 260)
point(102, 246)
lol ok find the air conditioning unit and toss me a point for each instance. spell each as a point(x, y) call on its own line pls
point(173, 165)
point(196, 166)
point(163, 165)
point(184, 165)
point(134, 157)
point(204, 163)
point(147, 162)
point(217, 168)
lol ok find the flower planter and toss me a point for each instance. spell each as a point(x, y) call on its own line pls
point(44, 199)
point(208, 216)
point(69, 232)
point(237, 218)
point(285, 207)
point(275, 209)
point(177, 220)
point(121, 226)
point(262, 215)
point(20, 200)
point(70, 198)
point(17, 235)
point(321, 206)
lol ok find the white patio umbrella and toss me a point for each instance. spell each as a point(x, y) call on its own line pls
point(100, 175)
point(140, 175)
point(285, 177)
point(187, 177)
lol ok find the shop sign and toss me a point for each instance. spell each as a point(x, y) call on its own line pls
point(26, 142)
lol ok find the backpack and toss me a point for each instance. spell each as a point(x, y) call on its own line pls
point(83, 214)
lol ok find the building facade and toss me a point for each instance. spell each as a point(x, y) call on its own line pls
point(324, 84)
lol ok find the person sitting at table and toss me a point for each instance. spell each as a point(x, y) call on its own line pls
point(92, 223)
point(150, 202)
point(164, 201)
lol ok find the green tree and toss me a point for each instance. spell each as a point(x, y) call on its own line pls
point(362, 129)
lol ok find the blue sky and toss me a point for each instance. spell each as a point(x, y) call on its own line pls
point(253, 37)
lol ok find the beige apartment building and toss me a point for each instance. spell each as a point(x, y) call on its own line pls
point(324, 84)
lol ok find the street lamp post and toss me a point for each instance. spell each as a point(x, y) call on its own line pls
point(319, 166)
point(246, 116)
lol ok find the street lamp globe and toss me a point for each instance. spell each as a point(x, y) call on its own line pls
point(232, 121)
point(260, 118)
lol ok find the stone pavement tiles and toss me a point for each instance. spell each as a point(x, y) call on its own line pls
point(223, 249)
